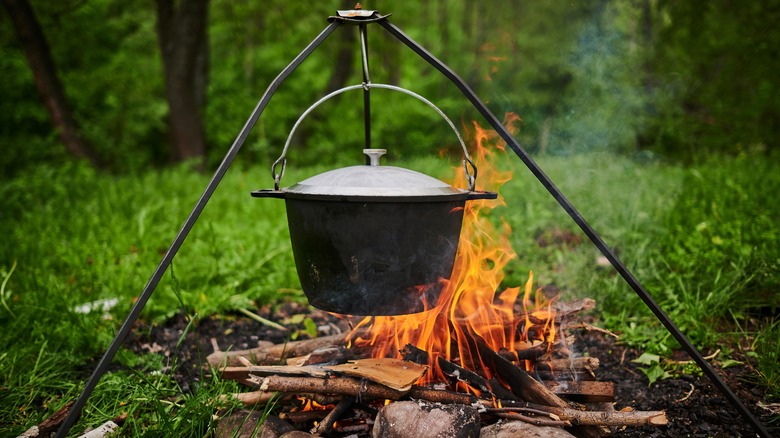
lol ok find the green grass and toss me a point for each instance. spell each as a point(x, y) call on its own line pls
point(703, 239)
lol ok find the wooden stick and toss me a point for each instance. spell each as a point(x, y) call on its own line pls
point(593, 418)
point(410, 352)
point(522, 385)
point(326, 424)
point(236, 373)
point(562, 310)
point(275, 354)
point(575, 363)
point(584, 391)
point(305, 416)
point(359, 388)
point(536, 421)
point(253, 398)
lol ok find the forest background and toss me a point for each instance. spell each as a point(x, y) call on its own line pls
point(677, 79)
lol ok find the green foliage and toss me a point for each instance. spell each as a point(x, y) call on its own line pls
point(766, 349)
point(711, 78)
point(652, 368)
point(676, 78)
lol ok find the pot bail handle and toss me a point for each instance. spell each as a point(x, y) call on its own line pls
point(471, 176)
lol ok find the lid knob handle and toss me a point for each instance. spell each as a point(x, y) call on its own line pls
point(373, 155)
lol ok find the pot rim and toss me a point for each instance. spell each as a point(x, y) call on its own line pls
point(461, 195)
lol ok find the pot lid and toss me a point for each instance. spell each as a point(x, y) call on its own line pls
point(373, 181)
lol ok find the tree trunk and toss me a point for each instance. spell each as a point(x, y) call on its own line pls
point(182, 32)
point(343, 62)
point(50, 89)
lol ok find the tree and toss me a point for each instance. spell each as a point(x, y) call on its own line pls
point(182, 33)
point(50, 88)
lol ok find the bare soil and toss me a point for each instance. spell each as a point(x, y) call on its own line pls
point(694, 406)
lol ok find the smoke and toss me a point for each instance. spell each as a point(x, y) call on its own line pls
point(602, 109)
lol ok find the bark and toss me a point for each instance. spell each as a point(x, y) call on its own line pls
point(50, 88)
point(357, 387)
point(274, 354)
point(182, 33)
point(593, 418)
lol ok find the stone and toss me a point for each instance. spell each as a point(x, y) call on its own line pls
point(297, 434)
point(410, 419)
point(244, 424)
point(514, 429)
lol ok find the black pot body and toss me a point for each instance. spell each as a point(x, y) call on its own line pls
point(374, 258)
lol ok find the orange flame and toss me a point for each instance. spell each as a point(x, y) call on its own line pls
point(469, 306)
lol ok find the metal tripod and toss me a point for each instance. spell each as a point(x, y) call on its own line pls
point(362, 22)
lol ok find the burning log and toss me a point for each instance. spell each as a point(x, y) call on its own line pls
point(414, 354)
point(327, 423)
point(522, 385)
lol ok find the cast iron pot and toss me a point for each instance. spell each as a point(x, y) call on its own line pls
point(373, 240)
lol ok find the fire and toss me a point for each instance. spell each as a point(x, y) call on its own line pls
point(469, 307)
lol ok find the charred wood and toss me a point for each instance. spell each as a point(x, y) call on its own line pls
point(327, 423)
point(414, 354)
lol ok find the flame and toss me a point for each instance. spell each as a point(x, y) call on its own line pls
point(469, 307)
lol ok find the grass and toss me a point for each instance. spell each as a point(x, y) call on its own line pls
point(703, 239)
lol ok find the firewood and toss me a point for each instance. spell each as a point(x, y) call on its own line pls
point(538, 350)
point(410, 352)
point(235, 373)
point(536, 421)
point(575, 363)
point(524, 386)
point(326, 424)
point(593, 418)
point(305, 416)
point(500, 391)
point(530, 353)
point(275, 354)
point(584, 391)
point(392, 373)
point(331, 355)
point(253, 398)
point(358, 388)
point(562, 310)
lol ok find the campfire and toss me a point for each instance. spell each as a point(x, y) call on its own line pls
point(443, 347)
point(477, 357)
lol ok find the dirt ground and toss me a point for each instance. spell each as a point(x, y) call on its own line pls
point(694, 406)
